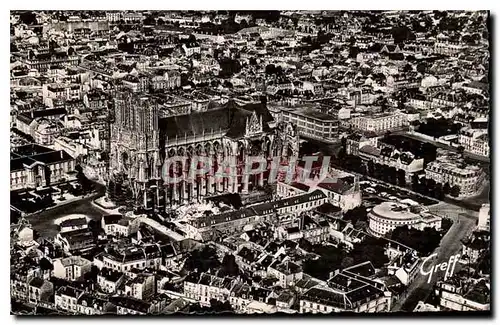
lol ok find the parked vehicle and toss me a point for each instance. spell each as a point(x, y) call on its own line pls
point(370, 190)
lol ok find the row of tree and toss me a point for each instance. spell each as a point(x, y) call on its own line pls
point(430, 187)
point(424, 241)
point(386, 173)
point(333, 258)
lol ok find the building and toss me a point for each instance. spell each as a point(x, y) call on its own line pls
point(39, 290)
point(205, 227)
point(387, 216)
point(43, 61)
point(125, 259)
point(458, 294)
point(141, 286)
point(402, 81)
point(118, 225)
point(140, 143)
point(355, 141)
point(312, 123)
point(445, 47)
point(475, 246)
point(344, 193)
point(390, 156)
point(378, 123)
point(76, 240)
point(34, 166)
point(475, 141)
point(341, 189)
point(88, 304)
point(110, 280)
point(423, 307)
point(312, 230)
point(73, 224)
point(405, 266)
point(71, 268)
point(134, 306)
point(203, 287)
point(66, 298)
point(456, 172)
point(483, 222)
point(74, 149)
point(287, 273)
point(356, 296)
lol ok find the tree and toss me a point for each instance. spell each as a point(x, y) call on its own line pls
point(202, 260)
point(446, 224)
point(149, 20)
point(260, 42)
point(346, 262)
point(111, 190)
point(455, 191)
point(270, 69)
point(243, 24)
point(356, 214)
point(92, 274)
point(422, 67)
point(392, 174)
point(95, 227)
point(370, 249)
point(229, 67)
point(229, 266)
point(429, 185)
point(424, 241)
point(45, 265)
point(48, 174)
point(438, 191)
point(400, 34)
point(330, 260)
point(191, 38)
point(407, 68)
point(401, 175)
point(28, 18)
point(83, 180)
point(371, 168)
point(220, 307)
point(446, 188)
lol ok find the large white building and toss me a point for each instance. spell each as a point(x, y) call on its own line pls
point(447, 169)
point(129, 258)
point(483, 222)
point(71, 268)
point(33, 166)
point(346, 291)
point(378, 123)
point(312, 123)
point(448, 48)
point(475, 141)
point(387, 216)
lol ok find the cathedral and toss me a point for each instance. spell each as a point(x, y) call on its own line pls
point(141, 142)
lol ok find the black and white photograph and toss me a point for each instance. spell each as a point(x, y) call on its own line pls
point(239, 162)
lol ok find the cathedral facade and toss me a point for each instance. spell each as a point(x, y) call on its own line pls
point(141, 142)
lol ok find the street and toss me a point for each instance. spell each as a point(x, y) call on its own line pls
point(464, 222)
